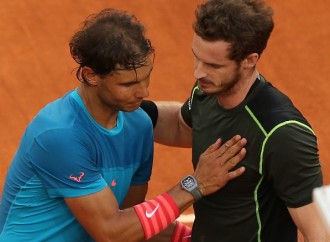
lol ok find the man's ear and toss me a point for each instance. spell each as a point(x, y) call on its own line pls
point(251, 60)
point(89, 76)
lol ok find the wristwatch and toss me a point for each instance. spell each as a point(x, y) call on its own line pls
point(189, 183)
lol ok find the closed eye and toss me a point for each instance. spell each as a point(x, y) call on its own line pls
point(214, 66)
point(129, 84)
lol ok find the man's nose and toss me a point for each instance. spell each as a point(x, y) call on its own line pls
point(142, 91)
point(199, 71)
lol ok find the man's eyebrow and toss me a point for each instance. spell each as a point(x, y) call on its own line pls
point(207, 63)
point(136, 79)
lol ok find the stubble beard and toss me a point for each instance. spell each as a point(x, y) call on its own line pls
point(227, 88)
point(230, 87)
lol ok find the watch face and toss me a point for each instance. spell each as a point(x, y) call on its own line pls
point(189, 183)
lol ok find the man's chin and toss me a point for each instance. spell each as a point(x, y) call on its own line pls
point(206, 90)
point(131, 108)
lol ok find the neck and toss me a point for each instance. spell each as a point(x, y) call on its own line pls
point(240, 90)
point(101, 113)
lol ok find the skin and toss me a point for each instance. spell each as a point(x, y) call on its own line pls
point(99, 212)
point(217, 75)
point(122, 90)
point(230, 82)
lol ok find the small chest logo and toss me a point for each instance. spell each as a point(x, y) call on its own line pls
point(77, 178)
point(113, 183)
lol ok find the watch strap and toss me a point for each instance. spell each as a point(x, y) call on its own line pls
point(197, 194)
point(195, 191)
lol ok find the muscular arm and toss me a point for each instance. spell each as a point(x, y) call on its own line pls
point(100, 215)
point(135, 195)
point(309, 223)
point(170, 129)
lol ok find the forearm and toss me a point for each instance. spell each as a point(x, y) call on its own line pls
point(176, 232)
point(100, 215)
point(310, 223)
point(158, 213)
point(166, 234)
point(163, 236)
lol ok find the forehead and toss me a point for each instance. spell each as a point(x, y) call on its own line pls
point(210, 51)
point(137, 74)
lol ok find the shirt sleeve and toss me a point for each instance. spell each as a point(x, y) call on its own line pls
point(63, 159)
point(186, 113)
point(188, 105)
point(293, 163)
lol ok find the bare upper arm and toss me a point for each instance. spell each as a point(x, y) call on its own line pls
point(309, 223)
point(135, 195)
point(99, 214)
point(171, 129)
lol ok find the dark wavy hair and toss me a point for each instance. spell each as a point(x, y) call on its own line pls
point(245, 24)
point(108, 41)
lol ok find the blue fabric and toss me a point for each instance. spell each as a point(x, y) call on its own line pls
point(65, 153)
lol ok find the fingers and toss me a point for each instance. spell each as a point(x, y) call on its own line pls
point(229, 151)
point(236, 173)
point(215, 146)
point(226, 146)
point(215, 166)
point(232, 162)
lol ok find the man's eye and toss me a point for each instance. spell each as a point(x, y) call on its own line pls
point(128, 84)
point(214, 66)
